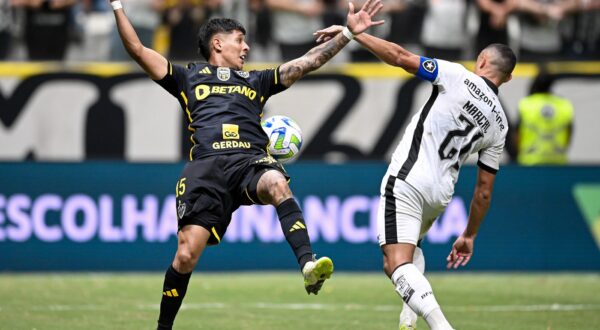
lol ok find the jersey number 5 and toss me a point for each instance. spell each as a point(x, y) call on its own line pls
point(458, 133)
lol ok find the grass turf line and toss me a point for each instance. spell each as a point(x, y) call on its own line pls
point(278, 301)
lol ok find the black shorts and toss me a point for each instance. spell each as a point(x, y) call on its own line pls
point(210, 189)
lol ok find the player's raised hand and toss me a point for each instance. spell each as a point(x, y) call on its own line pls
point(357, 22)
point(461, 253)
point(360, 21)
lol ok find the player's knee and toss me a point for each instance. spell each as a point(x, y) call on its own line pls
point(388, 266)
point(279, 190)
point(186, 260)
point(273, 188)
point(391, 261)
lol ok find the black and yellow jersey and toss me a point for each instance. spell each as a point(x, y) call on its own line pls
point(223, 106)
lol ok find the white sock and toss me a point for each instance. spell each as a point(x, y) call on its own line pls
point(436, 320)
point(407, 315)
point(416, 291)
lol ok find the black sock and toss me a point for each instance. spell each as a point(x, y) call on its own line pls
point(174, 289)
point(294, 229)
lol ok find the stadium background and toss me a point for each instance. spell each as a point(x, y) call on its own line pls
point(90, 152)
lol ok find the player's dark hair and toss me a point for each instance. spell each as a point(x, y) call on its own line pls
point(212, 27)
point(505, 59)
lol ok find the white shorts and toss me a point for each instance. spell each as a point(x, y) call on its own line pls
point(403, 215)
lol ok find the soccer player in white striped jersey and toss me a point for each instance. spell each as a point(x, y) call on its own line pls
point(462, 116)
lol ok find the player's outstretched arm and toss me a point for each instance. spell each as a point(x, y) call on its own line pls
point(462, 249)
point(152, 62)
point(388, 52)
point(358, 22)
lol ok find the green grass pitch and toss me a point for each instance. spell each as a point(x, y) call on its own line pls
point(278, 301)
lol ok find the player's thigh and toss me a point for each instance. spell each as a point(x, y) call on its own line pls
point(399, 218)
point(204, 199)
point(265, 182)
point(430, 214)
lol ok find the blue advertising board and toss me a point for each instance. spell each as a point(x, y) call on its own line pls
point(115, 216)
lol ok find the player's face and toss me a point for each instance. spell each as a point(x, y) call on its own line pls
point(234, 49)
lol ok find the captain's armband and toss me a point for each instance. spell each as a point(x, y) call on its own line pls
point(428, 69)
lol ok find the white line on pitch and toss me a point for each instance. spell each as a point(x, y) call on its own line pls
point(524, 308)
point(329, 307)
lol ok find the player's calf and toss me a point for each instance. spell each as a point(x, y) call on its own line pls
point(174, 289)
point(417, 293)
point(294, 230)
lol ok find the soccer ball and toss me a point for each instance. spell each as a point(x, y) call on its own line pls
point(285, 137)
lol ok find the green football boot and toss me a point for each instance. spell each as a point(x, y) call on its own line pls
point(315, 273)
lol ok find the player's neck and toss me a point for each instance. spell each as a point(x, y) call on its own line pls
point(490, 75)
point(494, 79)
point(220, 62)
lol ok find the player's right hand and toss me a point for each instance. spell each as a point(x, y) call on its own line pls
point(360, 21)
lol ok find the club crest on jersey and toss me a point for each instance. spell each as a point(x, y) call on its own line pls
point(180, 209)
point(429, 66)
point(223, 74)
point(243, 74)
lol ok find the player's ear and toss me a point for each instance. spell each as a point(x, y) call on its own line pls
point(217, 44)
point(508, 78)
point(482, 61)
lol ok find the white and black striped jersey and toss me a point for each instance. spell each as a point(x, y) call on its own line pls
point(462, 116)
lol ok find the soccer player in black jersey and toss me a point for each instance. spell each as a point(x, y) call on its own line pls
point(229, 165)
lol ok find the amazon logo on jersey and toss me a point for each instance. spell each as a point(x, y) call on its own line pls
point(477, 93)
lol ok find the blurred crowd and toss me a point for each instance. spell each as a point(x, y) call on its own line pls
point(84, 30)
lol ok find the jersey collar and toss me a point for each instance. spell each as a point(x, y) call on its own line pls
point(491, 84)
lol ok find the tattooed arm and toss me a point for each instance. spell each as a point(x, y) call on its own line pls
point(314, 59)
point(358, 22)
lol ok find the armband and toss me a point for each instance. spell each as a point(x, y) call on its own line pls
point(428, 69)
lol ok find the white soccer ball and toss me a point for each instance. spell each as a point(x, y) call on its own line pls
point(285, 137)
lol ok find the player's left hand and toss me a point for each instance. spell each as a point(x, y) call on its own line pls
point(328, 33)
point(360, 21)
point(461, 253)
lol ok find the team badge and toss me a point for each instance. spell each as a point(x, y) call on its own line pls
point(180, 209)
point(223, 74)
point(429, 66)
point(243, 74)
